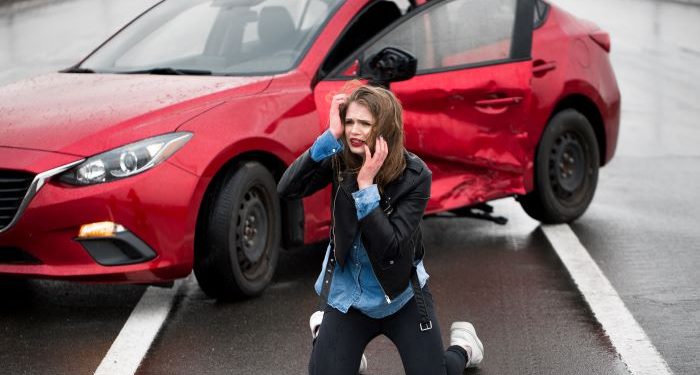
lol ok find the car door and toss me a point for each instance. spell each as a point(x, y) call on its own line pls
point(465, 110)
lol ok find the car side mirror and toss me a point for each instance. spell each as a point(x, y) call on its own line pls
point(388, 65)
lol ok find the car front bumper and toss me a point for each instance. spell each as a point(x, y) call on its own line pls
point(153, 207)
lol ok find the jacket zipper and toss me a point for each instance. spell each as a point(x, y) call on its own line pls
point(335, 199)
point(386, 297)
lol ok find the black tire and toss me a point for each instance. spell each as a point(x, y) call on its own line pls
point(237, 253)
point(566, 170)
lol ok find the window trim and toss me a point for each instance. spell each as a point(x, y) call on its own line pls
point(446, 70)
point(521, 5)
point(521, 45)
point(544, 16)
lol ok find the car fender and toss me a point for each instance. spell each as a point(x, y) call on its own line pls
point(577, 94)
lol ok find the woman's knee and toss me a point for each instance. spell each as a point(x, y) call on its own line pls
point(340, 343)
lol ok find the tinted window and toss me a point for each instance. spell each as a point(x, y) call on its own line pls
point(455, 33)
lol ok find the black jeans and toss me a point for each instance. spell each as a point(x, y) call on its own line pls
point(342, 339)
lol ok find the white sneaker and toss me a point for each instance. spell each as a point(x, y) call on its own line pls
point(315, 324)
point(464, 335)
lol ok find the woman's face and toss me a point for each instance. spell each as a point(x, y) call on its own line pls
point(358, 126)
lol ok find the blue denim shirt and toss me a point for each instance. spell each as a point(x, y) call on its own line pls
point(356, 285)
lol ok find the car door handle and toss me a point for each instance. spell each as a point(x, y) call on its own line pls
point(496, 106)
point(541, 67)
point(499, 102)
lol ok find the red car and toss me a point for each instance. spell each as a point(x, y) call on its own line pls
point(159, 152)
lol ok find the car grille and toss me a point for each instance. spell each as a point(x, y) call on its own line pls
point(13, 188)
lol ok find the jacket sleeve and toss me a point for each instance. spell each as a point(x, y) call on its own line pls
point(384, 236)
point(304, 177)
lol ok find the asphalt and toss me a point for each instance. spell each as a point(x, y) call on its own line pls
point(642, 232)
point(53, 327)
point(506, 280)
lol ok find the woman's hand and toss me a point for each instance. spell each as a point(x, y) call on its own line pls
point(335, 124)
point(372, 163)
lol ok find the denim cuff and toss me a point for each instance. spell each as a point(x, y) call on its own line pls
point(366, 200)
point(325, 146)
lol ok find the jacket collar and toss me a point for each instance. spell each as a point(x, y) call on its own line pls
point(413, 162)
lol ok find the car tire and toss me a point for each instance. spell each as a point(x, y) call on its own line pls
point(237, 255)
point(566, 170)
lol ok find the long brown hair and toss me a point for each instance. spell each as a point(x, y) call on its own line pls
point(388, 122)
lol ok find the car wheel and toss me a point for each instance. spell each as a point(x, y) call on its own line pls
point(237, 255)
point(566, 170)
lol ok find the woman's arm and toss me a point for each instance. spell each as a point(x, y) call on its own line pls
point(385, 236)
point(312, 171)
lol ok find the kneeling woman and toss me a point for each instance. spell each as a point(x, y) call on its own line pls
point(373, 281)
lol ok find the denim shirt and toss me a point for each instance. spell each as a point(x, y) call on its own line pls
point(355, 285)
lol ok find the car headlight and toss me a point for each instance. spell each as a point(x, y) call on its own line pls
point(125, 161)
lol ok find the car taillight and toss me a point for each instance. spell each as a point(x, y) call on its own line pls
point(602, 39)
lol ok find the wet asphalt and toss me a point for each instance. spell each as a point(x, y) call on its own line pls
point(51, 327)
point(641, 230)
point(506, 280)
point(642, 227)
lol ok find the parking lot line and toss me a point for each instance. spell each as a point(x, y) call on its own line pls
point(139, 331)
point(626, 335)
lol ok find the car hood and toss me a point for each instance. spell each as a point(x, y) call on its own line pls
point(84, 114)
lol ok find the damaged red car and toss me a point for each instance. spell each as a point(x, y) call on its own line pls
point(160, 151)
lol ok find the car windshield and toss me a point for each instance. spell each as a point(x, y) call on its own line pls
point(219, 37)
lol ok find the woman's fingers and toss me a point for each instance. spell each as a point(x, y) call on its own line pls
point(334, 121)
point(373, 163)
point(339, 99)
point(382, 150)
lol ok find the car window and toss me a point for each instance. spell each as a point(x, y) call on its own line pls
point(221, 36)
point(183, 35)
point(454, 33)
point(370, 21)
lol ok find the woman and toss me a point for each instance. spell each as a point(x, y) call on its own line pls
point(373, 280)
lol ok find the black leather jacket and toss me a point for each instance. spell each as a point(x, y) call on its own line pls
point(391, 232)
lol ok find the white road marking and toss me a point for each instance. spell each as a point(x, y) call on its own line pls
point(626, 335)
point(137, 335)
